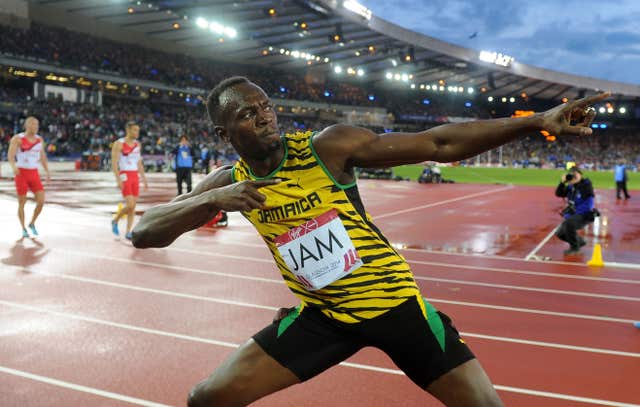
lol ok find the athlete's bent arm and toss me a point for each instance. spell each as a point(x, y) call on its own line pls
point(450, 142)
point(115, 158)
point(45, 162)
point(11, 155)
point(141, 170)
point(162, 224)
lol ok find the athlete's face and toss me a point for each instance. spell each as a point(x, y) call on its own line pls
point(133, 131)
point(250, 121)
point(32, 125)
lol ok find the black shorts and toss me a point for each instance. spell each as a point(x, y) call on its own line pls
point(308, 343)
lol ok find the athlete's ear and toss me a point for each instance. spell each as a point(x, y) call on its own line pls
point(221, 132)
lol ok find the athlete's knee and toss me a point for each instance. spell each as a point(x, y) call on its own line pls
point(208, 394)
point(198, 397)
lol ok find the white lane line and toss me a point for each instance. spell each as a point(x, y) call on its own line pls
point(542, 243)
point(442, 280)
point(117, 325)
point(431, 299)
point(608, 265)
point(250, 305)
point(410, 261)
point(78, 387)
point(195, 237)
point(275, 281)
point(531, 273)
point(551, 345)
point(633, 266)
point(561, 396)
point(346, 364)
point(460, 198)
point(533, 311)
point(144, 289)
point(534, 289)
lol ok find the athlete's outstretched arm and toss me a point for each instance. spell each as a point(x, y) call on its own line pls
point(162, 224)
point(451, 142)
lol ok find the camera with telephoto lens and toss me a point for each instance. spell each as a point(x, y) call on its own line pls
point(568, 177)
point(570, 209)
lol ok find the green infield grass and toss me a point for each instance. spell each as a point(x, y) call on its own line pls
point(516, 176)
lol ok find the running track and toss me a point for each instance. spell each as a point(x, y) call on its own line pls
point(87, 320)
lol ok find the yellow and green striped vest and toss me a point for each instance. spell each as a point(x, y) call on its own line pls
point(308, 190)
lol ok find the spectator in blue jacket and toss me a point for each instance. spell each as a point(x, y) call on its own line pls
point(579, 212)
point(183, 154)
point(620, 176)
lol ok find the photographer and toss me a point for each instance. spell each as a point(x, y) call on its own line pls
point(579, 211)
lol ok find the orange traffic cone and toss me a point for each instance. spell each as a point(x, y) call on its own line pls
point(596, 257)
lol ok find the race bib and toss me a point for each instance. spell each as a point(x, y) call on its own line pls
point(319, 251)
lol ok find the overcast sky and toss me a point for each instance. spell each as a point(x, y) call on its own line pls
point(598, 38)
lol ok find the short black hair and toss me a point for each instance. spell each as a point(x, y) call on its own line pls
point(575, 169)
point(213, 100)
point(130, 124)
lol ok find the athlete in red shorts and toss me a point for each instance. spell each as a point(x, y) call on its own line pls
point(26, 153)
point(126, 163)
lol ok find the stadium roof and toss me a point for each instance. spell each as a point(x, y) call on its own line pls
point(324, 35)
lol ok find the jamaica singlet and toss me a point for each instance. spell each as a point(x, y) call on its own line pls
point(328, 250)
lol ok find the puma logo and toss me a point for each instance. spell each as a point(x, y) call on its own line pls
point(295, 184)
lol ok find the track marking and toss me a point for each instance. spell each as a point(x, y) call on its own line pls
point(442, 280)
point(431, 299)
point(561, 396)
point(410, 261)
point(542, 243)
point(386, 215)
point(194, 237)
point(531, 273)
point(534, 289)
point(250, 305)
point(78, 387)
point(533, 311)
point(233, 345)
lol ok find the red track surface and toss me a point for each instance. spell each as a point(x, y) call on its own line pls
point(80, 308)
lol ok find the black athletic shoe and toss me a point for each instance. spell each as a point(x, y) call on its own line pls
point(572, 251)
point(581, 242)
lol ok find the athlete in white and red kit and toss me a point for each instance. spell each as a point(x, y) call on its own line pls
point(127, 165)
point(26, 153)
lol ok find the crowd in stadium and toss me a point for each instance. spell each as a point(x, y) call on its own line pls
point(600, 151)
point(50, 45)
point(71, 129)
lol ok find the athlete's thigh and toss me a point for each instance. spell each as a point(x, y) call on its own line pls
point(22, 186)
point(130, 200)
point(35, 184)
point(307, 342)
point(39, 196)
point(465, 386)
point(248, 374)
point(420, 340)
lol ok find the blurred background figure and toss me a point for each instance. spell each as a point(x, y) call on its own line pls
point(183, 156)
point(620, 176)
